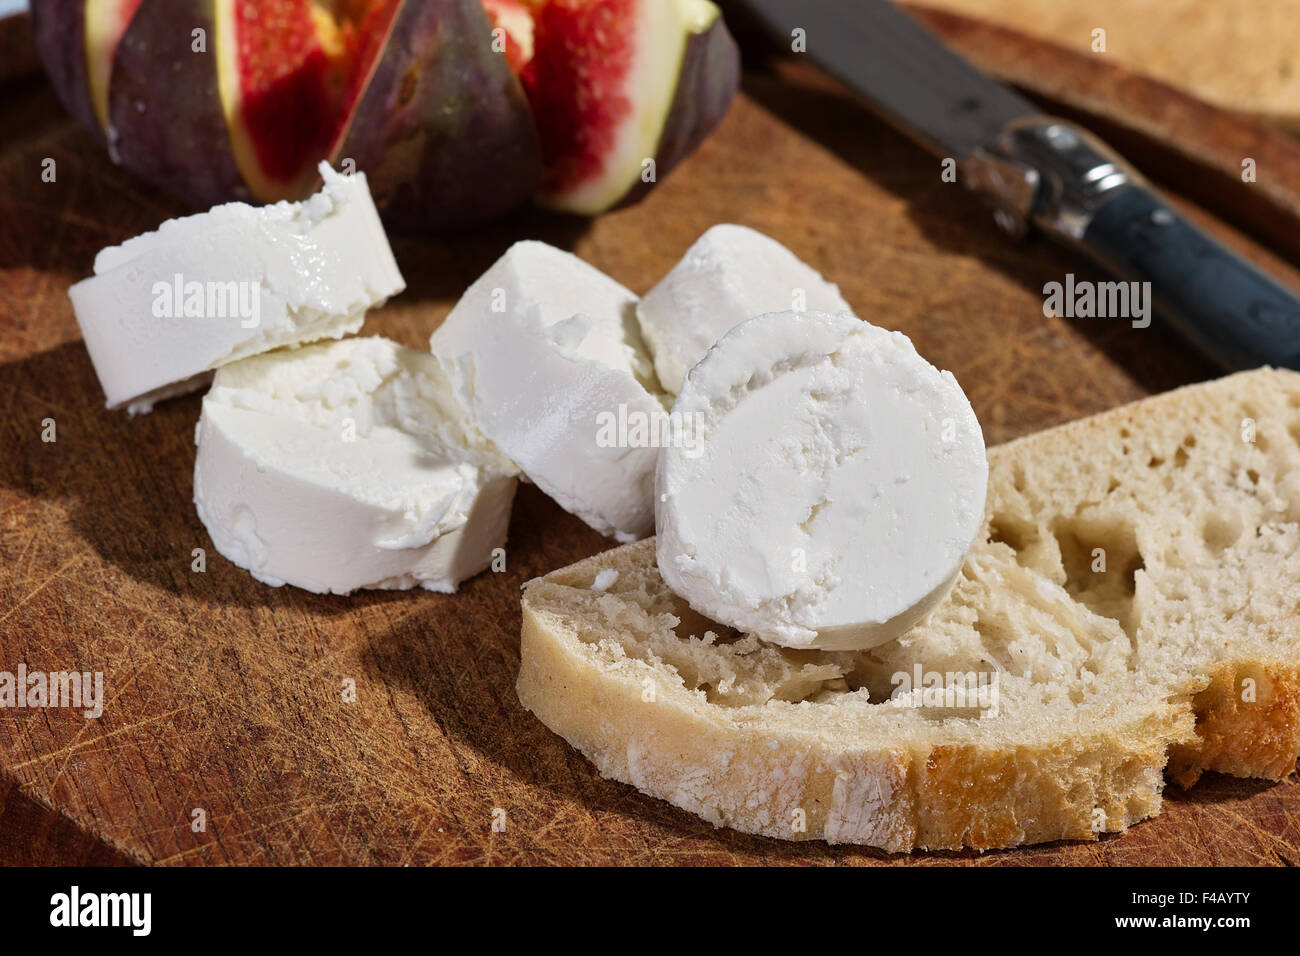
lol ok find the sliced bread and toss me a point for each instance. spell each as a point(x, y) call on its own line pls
point(1132, 600)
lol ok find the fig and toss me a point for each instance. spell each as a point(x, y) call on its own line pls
point(515, 20)
point(622, 90)
point(76, 40)
point(166, 122)
point(442, 128)
point(457, 110)
point(217, 100)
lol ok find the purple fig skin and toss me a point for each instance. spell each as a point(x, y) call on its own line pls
point(166, 123)
point(59, 27)
point(706, 85)
point(442, 128)
point(443, 131)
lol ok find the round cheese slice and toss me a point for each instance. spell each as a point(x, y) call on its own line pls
point(826, 486)
point(347, 465)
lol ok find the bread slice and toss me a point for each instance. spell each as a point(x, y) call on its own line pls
point(1136, 591)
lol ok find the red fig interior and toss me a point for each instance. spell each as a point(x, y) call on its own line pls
point(576, 84)
point(572, 57)
point(515, 18)
point(600, 76)
point(297, 70)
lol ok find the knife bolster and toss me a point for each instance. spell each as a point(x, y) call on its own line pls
point(1050, 173)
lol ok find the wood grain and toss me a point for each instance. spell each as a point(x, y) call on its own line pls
point(226, 695)
point(1241, 56)
point(1194, 147)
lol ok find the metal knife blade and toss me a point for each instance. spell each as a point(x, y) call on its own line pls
point(1049, 173)
point(903, 70)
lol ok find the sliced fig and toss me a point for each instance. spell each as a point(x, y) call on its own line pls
point(707, 82)
point(409, 90)
point(621, 91)
point(166, 121)
point(237, 99)
point(290, 82)
point(442, 129)
point(77, 40)
point(216, 100)
point(105, 23)
point(515, 20)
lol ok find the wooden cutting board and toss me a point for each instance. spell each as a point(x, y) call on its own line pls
point(1242, 56)
point(227, 696)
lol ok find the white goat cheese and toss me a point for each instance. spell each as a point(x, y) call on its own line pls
point(543, 351)
point(841, 484)
point(730, 274)
point(166, 308)
point(348, 465)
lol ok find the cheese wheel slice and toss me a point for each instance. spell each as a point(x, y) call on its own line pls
point(165, 309)
point(826, 486)
point(347, 465)
point(730, 274)
point(544, 352)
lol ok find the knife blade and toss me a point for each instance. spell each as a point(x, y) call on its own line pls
point(1043, 172)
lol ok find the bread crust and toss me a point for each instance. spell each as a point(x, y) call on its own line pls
point(756, 776)
point(796, 788)
point(1256, 737)
point(1259, 737)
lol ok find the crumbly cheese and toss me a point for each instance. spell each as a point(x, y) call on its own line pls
point(605, 580)
point(841, 483)
point(163, 310)
point(730, 274)
point(348, 465)
point(544, 352)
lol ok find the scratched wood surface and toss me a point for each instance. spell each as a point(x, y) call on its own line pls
point(225, 695)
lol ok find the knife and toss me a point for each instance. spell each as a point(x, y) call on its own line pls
point(1040, 171)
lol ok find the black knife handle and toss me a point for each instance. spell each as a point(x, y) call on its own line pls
point(1231, 311)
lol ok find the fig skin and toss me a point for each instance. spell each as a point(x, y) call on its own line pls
point(59, 27)
point(706, 84)
point(441, 128)
point(441, 124)
point(165, 121)
point(443, 131)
